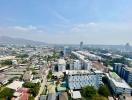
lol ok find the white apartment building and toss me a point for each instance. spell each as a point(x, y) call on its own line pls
point(118, 85)
point(61, 65)
point(86, 64)
point(77, 79)
point(89, 55)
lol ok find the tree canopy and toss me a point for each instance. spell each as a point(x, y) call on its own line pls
point(22, 56)
point(34, 87)
point(6, 93)
point(104, 91)
point(89, 92)
point(115, 60)
point(6, 62)
point(49, 74)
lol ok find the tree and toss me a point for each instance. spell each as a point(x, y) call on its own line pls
point(31, 97)
point(6, 93)
point(34, 91)
point(22, 56)
point(6, 62)
point(49, 74)
point(104, 91)
point(29, 85)
point(57, 82)
point(34, 87)
point(89, 92)
point(99, 98)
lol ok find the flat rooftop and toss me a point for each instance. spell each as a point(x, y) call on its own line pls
point(128, 68)
point(117, 81)
point(74, 72)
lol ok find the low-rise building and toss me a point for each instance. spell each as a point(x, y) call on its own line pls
point(27, 76)
point(15, 85)
point(3, 79)
point(75, 95)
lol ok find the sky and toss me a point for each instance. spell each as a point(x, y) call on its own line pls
point(68, 21)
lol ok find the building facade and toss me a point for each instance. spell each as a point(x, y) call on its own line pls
point(61, 65)
point(118, 85)
point(123, 71)
point(67, 51)
point(85, 63)
point(81, 45)
point(77, 79)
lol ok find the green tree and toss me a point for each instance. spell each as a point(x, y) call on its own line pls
point(99, 98)
point(6, 93)
point(34, 87)
point(104, 91)
point(22, 56)
point(49, 74)
point(29, 85)
point(6, 62)
point(31, 97)
point(89, 92)
point(34, 91)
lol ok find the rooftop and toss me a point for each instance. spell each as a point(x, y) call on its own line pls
point(63, 96)
point(61, 61)
point(76, 94)
point(71, 72)
point(128, 68)
point(117, 81)
point(15, 85)
point(74, 72)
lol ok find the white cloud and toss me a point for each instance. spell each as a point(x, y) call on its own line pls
point(97, 33)
point(102, 28)
point(24, 29)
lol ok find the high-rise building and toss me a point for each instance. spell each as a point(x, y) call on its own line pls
point(77, 79)
point(118, 85)
point(81, 45)
point(85, 63)
point(123, 71)
point(61, 65)
point(77, 65)
point(67, 51)
point(127, 47)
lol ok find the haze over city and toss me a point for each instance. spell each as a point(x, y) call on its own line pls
point(65, 49)
point(68, 21)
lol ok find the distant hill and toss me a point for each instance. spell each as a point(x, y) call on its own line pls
point(18, 41)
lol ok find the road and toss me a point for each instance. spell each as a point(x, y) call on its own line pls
point(43, 83)
point(41, 88)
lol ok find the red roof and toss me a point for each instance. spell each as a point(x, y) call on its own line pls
point(23, 90)
point(24, 96)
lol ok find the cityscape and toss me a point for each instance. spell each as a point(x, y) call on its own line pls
point(65, 50)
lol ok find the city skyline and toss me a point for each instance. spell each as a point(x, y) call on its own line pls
point(68, 22)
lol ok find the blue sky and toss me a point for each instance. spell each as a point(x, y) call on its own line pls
point(68, 21)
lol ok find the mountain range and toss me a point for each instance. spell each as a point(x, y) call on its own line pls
point(18, 41)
